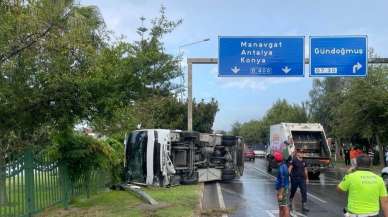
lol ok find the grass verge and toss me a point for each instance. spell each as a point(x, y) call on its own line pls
point(179, 201)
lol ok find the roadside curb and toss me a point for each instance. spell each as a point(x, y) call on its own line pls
point(221, 201)
point(200, 200)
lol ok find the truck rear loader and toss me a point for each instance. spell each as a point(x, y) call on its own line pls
point(307, 138)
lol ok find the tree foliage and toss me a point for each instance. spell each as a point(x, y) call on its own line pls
point(354, 110)
point(135, 76)
point(252, 131)
point(257, 131)
point(352, 107)
point(81, 154)
point(58, 67)
point(325, 97)
point(169, 113)
point(46, 50)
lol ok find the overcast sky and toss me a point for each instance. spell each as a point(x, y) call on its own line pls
point(243, 99)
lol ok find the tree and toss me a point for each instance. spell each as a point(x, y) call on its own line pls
point(45, 56)
point(282, 111)
point(204, 115)
point(257, 131)
point(133, 77)
point(58, 68)
point(236, 127)
point(169, 113)
point(353, 109)
point(252, 132)
point(46, 49)
point(325, 97)
point(364, 109)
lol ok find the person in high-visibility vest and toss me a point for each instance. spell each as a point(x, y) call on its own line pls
point(366, 190)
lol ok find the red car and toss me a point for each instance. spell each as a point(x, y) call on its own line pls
point(249, 154)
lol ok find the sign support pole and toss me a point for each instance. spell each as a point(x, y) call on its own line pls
point(189, 96)
point(190, 62)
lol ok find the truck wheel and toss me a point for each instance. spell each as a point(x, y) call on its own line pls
point(228, 174)
point(228, 177)
point(189, 181)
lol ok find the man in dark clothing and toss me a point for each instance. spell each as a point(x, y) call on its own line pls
point(347, 156)
point(299, 178)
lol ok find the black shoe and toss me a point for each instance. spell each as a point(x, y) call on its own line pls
point(305, 208)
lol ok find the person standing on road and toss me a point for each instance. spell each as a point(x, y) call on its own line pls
point(366, 190)
point(347, 156)
point(353, 156)
point(282, 185)
point(299, 178)
point(386, 157)
point(287, 151)
point(371, 154)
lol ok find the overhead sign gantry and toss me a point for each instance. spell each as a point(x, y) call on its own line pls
point(286, 59)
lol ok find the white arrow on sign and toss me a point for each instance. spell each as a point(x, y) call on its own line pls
point(235, 69)
point(286, 69)
point(357, 67)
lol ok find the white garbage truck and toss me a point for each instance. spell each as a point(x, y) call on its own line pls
point(163, 157)
point(307, 138)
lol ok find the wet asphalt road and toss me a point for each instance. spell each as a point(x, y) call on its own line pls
point(253, 195)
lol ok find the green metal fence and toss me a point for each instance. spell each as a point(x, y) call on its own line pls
point(32, 183)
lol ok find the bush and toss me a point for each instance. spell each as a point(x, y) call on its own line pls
point(116, 159)
point(81, 154)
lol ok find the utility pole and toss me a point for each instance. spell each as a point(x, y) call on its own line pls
point(190, 86)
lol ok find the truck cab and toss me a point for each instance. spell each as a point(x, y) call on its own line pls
point(163, 157)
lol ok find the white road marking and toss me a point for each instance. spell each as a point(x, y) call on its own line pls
point(270, 213)
point(265, 173)
point(308, 194)
point(332, 179)
point(298, 214)
point(268, 182)
point(274, 213)
point(317, 198)
point(220, 199)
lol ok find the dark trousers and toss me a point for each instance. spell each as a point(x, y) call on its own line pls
point(347, 160)
point(301, 183)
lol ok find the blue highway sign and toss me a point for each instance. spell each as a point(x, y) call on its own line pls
point(260, 56)
point(338, 56)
